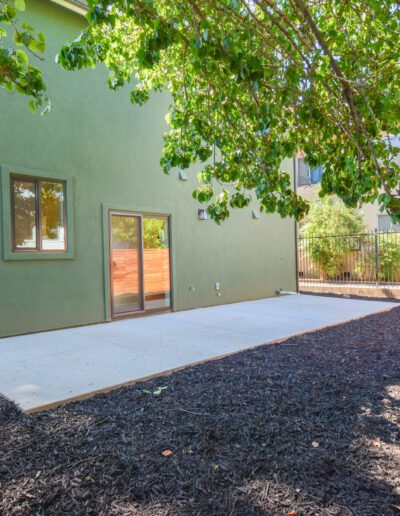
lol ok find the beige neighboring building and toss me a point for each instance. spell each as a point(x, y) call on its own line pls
point(307, 183)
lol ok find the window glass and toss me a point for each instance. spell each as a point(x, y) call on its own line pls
point(385, 224)
point(52, 200)
point(24, 208)
point(307, 175)
point(38, 215)
point(125, 264)
point(124, 232)
point(156, 263)
point(316, 174)
point(303, 178)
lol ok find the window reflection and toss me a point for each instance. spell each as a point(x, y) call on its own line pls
point(38, 215)
point(52, 215)
point(24, 193)
point(125, 264)
point(156, 263)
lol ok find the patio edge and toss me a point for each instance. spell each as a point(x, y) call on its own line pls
point(167, 372)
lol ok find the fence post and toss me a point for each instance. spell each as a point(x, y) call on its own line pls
point(376, 258)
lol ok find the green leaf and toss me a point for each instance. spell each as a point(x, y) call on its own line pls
point(259, 92)
point(19, 5)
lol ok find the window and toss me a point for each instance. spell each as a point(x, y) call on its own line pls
point(307, 175)
point(316, 174)
point(38, 215)
point(385, 224)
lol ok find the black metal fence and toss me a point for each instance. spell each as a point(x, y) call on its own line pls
point(371, 258)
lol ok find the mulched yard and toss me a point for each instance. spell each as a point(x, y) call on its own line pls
point(306, 427)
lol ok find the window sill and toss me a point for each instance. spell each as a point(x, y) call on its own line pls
point(34, 255)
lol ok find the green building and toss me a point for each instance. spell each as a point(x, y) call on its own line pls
point(91, 228)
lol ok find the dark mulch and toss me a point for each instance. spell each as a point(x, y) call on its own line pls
point(310, 425)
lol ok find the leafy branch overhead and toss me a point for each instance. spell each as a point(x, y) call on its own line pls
point(16, 72)
point(256, 81)
point(253, 82)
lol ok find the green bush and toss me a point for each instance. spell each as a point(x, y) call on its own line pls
point(329, 227)
point(388, 259)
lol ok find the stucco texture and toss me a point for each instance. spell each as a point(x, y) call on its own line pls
point(111, 151)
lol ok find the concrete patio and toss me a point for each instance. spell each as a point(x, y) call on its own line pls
point(43, 369)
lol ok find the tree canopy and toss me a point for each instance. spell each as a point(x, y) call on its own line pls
point(256, 81)
point(16, 72)
point(252, 82)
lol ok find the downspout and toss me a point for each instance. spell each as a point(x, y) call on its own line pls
point(296, 228)
point(280, 291)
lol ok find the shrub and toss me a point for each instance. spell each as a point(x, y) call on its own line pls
point(388, 259)
point(326, 221)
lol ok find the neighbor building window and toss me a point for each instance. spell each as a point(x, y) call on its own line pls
point(308, 175)
point(38, 215)
point(385, 223)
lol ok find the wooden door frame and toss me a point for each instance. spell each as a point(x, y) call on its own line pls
point(139, 217)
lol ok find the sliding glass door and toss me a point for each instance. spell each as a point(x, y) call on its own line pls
point(125, 263)
point(139, 263)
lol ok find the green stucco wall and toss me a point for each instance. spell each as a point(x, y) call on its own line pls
point(112, 152)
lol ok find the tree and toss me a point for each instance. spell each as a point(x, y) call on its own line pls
point(16, 73)
point(330, 229)
point(254, 81)
point(155, 234)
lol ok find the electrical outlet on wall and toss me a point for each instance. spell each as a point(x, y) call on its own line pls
point(217, 286)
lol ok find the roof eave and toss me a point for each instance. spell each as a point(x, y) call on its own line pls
point(78, 6)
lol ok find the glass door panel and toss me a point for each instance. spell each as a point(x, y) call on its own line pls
point(156, 263)
point(125, 263)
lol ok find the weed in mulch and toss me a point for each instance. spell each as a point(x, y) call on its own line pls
point(306, 427)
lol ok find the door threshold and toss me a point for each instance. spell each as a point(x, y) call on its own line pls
point(142, 313)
